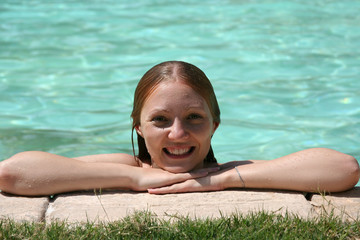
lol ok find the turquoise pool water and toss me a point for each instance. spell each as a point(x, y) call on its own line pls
point(286, 73)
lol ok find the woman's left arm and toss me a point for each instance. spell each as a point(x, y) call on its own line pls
point(311, 170)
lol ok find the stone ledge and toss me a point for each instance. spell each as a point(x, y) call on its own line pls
point(111, 206)
point(115, 205)
point(345, 204)
point(23, 208)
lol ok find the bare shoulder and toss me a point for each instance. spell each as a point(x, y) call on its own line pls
point(122, 158)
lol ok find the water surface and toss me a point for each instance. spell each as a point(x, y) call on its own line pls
point(286, 73)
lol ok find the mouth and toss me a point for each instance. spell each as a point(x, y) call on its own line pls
point(178, 152)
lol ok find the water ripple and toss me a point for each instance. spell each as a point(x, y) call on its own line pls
point(286, 73)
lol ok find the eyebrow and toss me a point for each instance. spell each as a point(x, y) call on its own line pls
point(156, 110)
point(160, 109)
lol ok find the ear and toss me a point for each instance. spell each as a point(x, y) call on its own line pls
point(216, 125)
point(138, 130)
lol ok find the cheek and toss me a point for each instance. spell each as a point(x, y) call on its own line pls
point(152, 138)
point(150, 132)
point(203, 131)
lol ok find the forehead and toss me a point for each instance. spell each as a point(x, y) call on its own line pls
point(175, 93)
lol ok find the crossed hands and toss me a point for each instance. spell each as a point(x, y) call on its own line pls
point(158, 181)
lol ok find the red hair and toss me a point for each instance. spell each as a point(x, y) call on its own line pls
point(172, 70)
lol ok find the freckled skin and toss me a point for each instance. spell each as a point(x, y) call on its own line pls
point(175, 116)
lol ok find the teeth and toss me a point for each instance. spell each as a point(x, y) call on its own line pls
point(178, 151)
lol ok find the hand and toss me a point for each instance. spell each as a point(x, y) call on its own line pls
point(148, 178)
point(213, 182)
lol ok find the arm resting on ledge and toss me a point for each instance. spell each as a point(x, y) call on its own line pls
point(39, 173)
point(311, 170)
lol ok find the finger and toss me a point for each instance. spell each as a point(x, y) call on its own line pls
point(161, 190)
point(187, 186)
point(203, 172)
point(196, 174)
point(173, 178)
point(208, 170)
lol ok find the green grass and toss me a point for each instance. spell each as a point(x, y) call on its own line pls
point(143, 225)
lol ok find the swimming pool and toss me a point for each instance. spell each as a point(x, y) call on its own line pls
point(286, 73)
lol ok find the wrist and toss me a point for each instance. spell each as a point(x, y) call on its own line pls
point(234, 179)
point(240, 177)
point(135, 180)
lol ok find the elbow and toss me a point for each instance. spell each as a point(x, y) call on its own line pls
point(354, 170)
point(15, 175)
point(7, 179)
point(10, 174)
point(351, 172)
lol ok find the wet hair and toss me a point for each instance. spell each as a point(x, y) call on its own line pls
point(166, 71)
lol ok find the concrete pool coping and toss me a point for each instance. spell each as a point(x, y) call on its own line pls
point(92, 206)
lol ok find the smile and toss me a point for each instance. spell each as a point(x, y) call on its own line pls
point(179, 152)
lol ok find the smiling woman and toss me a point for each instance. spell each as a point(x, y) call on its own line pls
point(175, 115)
point(172, 117)
point(177, 132)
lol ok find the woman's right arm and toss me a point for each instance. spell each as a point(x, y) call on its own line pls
point(40, 173)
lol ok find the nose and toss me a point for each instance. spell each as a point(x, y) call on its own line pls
point(177, 130)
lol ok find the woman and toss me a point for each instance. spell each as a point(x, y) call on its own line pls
point(175, 115)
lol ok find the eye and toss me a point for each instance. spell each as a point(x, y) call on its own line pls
point(159, 119)
point(194, 116)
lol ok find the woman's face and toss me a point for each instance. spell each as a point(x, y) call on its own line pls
point(177, 126)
